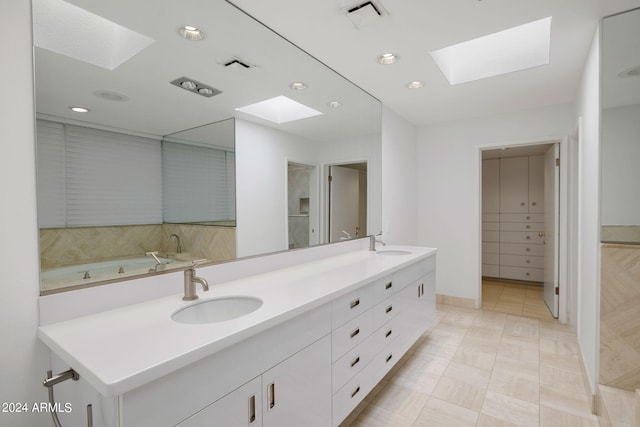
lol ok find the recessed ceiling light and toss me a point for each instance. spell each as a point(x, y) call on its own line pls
point(279, 110)
point(190, 32)
point(298, 86)
point(388, 58)
point(518, 48)
point(79, 109)
point(334, 104)
point(415, 85)
point(630, 72)
point(196, 87)
point(188, 84)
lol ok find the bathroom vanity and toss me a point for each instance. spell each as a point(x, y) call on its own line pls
point(294, 339)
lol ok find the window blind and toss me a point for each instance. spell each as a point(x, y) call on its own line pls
point(50, 158)
point(196, 185)
point(110, 178)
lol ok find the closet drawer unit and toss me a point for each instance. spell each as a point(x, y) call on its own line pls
point(490, 259)
point(490, 217)
point(522, 226)
point(352, 393)
point(354, 361)
point(522, 249)
point(490, 236)
point(386, 310)
point(490, 248)
point(522, 261)
point(522, 273)
point(490, 226)
point(521, 217)
point(351, 305)
point(520, 237)
point(490, 270)
point(351, 334)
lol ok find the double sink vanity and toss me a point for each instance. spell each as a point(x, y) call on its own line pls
point(288, 339)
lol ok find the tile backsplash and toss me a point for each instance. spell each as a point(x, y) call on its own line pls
point(65, 246)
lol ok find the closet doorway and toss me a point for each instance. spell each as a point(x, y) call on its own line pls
point(346, 201)
point(520, 229)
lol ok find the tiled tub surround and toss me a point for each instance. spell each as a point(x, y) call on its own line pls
point(61, 247)
point(620, 316)
point(295, 287)
point(621, 234)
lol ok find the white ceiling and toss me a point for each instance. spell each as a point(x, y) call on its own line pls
point(413, 28)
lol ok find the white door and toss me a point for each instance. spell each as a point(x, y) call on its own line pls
point(344, 199)
point(551, 225)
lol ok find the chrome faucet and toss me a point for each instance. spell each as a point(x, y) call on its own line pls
point(190, 280)
point(178, 246)
point(375, 239)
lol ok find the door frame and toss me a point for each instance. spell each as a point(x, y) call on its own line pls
point(563, 243)
point(324, 192)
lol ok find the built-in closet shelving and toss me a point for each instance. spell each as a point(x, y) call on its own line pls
point(512, 217)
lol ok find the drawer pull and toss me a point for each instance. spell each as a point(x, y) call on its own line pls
point(528, 261)
point(389, 357)
point(355, 361)
point(252, 409)
point(533, 203)
point(388, 285)
point(354, 303)
point(528, 227)
point(528, 274)
point(388, 334)
point(528, 237)
point(355, 391)
point(522, 203)
point(355, 332)
point(422, 288)
point(528, 217)
point(388, 309)
point(271, 396)
point(528, 249)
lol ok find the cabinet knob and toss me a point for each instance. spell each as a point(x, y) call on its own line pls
point(533, 203)
point(528, 227)
point(528, 237)
point(528, 249)
point(522, 204)
point(528, 261)
point(528, 274)
point(528, 217)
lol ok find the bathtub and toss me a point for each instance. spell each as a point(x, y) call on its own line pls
point(79, 274)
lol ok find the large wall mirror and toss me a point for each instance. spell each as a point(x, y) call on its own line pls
point(159, 144)
point(620, 149)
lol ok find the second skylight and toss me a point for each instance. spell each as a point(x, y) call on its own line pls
point(515, 49)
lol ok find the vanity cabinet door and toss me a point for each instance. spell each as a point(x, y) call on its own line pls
point(240, 408)
point(297, 392)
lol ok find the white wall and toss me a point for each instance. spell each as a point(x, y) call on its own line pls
point(588, 216)
point(261, 185)
point(399, 180)
point(620, 171)
point(23, 359)
point(449, 186)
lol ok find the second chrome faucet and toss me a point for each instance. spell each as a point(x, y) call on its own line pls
point(190, 280)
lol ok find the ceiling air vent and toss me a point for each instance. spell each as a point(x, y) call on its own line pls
point(365, 14)
point(236, 63)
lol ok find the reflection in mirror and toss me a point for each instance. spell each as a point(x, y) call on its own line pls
point(620, 150)
point(104, 193)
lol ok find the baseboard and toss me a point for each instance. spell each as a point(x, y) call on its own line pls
point(456, 301)
point(638, 407)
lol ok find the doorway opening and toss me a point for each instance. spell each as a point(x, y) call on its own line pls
point(346, 201)
point(301, 205)
point(520, 229)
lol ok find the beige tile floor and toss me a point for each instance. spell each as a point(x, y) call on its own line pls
point(483, 368)
point(514, 298)
point(621, 406)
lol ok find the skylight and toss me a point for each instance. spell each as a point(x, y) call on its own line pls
point(69, 30)
point(515, 49)
point(279, 110)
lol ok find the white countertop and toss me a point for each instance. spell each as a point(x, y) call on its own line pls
point(121, 349)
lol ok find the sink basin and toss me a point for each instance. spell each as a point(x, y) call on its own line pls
point(393, 252)
point(217, 310)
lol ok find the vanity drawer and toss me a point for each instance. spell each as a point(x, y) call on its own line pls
point(411, 273)
point(345, 368)
point(522, 261)
point(351, 305)
point(387, 358)
point(386, 310)
point(351, 334)
point(352, 393)
point(384, 288)
point(522, 217)
point(387, 333)
point(521, 249)
point(522, 273)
